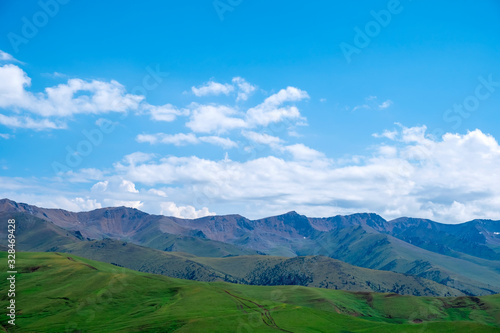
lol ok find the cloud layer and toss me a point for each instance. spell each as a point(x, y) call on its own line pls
point(453, 179)
point(407, 172)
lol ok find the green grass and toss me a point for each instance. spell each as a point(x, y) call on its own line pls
point(66, 293)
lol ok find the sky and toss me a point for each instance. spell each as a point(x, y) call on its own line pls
point(193, 108)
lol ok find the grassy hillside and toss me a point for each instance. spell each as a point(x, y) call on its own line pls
point(316, 271)
point(363, 240)
point(362, 247)
point(64, 293)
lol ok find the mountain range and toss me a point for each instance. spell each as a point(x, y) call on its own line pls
point(360, 252)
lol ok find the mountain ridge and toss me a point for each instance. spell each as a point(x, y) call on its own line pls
point(462, 256)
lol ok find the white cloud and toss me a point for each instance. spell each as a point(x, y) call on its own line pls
point(387, 151)
point(182, 139)
point(371, 103)
point(290, 94)
point(159, 193)
point(449, 180)
point(212, 88)
point(85, 204)
point(245, 89)
point(239, 84)
point(4, 56)
point(179, 139)
point(128, 186)
point(100, 186)
point(166, 112)
point(121, 203)
point(138, 157)
point(5, 136)
point(225, 143)
point(13, 80)
point(29, 123)
point(387, 134)
point(452, 179)
point(385, 104)
point(214, 119)
point(188, 212)
point(304, 153)
point(360, 107)
point(83, 175)
point(262, 138)
point(77, 96)
point(272, 111)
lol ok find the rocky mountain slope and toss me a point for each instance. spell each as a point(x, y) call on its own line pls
point(463, 256)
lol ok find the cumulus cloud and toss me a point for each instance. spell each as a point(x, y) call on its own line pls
point(272, 109)
point(179, 139)
point(137, 157)
point(212, 88)
point(121, 203)
point(302, 152)
point(86, 204)
point(166, 112)
point(76, 96)
point(188, 212)
point(450, 180)
point(225, 143)
point(214, 118)
point(262, 138)
point(84, 175)
point(386, 134)
point(30, 123)
point(238, 84)
point(100, 186)
point(244, 88)
point(128, 186)
point(5, 57)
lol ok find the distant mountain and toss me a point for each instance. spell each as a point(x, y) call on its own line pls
point(39, 234)
point(479, 238)
point(463, 256)
point(34, 234)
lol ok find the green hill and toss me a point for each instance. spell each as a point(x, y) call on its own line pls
point(314, 271)
point(63, 293)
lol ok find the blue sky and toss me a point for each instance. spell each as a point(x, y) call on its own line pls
point(200, 107)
